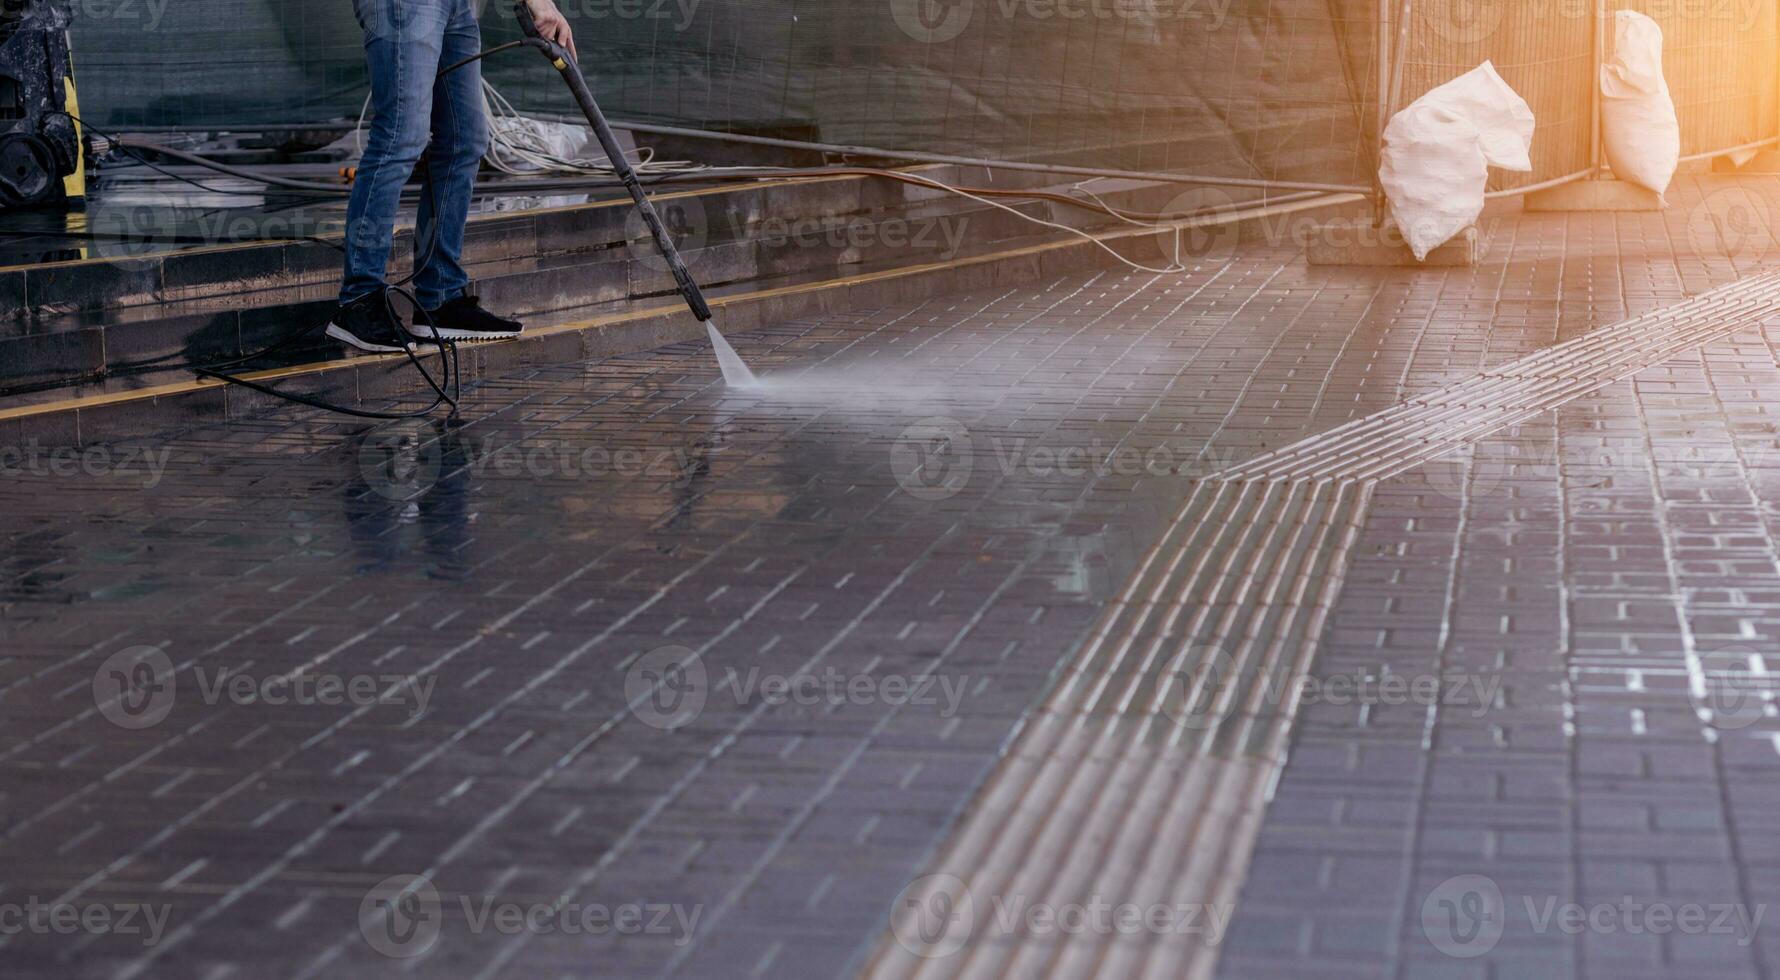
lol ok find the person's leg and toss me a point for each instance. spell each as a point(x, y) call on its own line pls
point(403, 42)
point(460, 138)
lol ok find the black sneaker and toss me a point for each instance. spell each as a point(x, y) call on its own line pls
point(462, 319)
point(368, 324)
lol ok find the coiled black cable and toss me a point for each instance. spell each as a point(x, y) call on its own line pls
point(451, 373)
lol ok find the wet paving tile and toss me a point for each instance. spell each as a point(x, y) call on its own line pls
point(629, 674)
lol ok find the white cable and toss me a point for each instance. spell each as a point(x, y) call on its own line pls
point(518, 146)
point(1081, 185)
point(516, 142)
point(1175, 266)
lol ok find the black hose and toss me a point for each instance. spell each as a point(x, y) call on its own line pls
point(564, 63)
point(451, 374)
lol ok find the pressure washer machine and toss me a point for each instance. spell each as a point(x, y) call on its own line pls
point(40, 161)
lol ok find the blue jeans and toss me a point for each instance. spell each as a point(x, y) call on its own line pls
point(406, 43)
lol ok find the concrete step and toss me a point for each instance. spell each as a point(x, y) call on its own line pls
point(230, 269)
point(221, 303)
point(120, 408)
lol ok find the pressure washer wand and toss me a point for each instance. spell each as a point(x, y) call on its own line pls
point(564, 63)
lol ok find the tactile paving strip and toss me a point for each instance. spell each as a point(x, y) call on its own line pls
point(1141, 780)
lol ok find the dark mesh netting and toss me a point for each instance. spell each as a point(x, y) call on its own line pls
point(1287, 90)
point(1271, 90)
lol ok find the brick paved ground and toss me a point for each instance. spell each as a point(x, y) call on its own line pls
point(1598, 589)
point(1626, 552)
point(189, 652)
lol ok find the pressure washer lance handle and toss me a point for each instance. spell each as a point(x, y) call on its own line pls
point(565, 64)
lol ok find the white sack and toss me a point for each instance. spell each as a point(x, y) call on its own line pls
point(1638, 126)
point(1438, 151)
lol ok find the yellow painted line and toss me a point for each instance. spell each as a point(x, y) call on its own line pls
point(717, 303)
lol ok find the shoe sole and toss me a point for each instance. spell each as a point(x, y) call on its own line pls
point(425, 335)
point(347, 337)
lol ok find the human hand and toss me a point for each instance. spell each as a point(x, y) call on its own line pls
point(552, 24)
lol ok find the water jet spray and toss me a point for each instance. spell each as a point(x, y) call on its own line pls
point(735, 372)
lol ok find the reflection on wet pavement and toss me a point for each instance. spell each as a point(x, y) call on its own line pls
point(623, 644)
